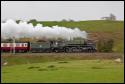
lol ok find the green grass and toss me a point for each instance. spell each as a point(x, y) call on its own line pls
point(90, 26)
point(82, 71)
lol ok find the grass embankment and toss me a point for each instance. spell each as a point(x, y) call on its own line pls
point(24, 58)
point(98, 29)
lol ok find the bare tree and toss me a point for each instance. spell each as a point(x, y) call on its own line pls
point(111, 17)
point(64, 20)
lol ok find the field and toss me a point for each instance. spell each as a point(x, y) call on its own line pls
point(62, 68)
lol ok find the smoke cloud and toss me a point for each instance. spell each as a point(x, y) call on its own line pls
point(11, 29)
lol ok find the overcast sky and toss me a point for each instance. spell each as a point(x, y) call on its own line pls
point(58, 10)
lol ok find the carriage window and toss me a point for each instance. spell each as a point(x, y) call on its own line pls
point(11, 44)
point(17, 44)
point(22, 45)
point(4, 45)
point(25, 45)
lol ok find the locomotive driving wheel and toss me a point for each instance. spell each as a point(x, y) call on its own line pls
point(56, 50)
point(68, 50)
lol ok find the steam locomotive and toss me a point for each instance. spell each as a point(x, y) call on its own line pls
point(49, 46)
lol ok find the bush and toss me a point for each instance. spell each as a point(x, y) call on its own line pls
point(105, 45)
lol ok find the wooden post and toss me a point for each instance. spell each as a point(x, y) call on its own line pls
point(13, 45)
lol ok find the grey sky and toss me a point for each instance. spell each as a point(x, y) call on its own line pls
point(58, 10)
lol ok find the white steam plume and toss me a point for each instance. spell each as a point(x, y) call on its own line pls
point(11, 29)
